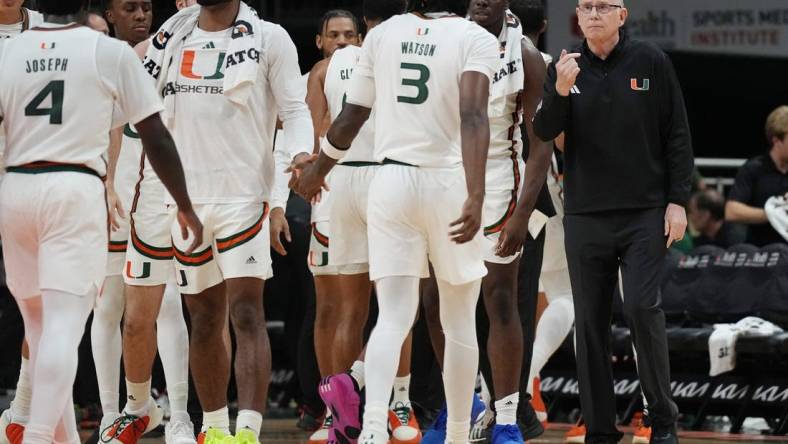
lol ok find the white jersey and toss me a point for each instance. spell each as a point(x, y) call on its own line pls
point(63, 90)
point(338, 74)
point(227, 148)
point(416, 63)
point(505, 164)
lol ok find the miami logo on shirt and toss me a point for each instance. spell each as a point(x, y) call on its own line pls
point(190, 57)
point(633, 83)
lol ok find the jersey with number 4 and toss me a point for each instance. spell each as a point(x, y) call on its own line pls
point(63, 89)
point(416, 63)
point(338, 75)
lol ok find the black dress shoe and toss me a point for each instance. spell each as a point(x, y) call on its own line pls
point(664, 434)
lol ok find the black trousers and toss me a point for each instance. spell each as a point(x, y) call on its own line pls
point(597, 244)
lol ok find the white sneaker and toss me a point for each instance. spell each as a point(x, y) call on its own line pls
point(179, 432)
point(107, 421)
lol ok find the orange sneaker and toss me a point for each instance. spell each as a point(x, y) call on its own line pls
point(404, 427)
point(538, 403)
point(576, 434)
point(128, 429)
point(642, 434)
point(14, 433)
point(11, 429)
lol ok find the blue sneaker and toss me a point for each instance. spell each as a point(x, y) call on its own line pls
point(437, 432)
point(506, 434)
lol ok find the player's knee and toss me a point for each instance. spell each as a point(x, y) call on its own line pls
point(247, 318)
point(502, 307)
point(136, 325)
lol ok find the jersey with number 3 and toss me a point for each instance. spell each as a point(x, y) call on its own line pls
point(416, 63)
point(62, 91)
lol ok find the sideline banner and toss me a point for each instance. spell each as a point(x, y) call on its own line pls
point(734, 27)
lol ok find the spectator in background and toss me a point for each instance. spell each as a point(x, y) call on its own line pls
point(707, 218)
point(759, 179)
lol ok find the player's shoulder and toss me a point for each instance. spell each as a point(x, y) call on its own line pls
point(347, 52)
point(474, 33)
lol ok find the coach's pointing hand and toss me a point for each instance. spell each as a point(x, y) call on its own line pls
point(567, 70)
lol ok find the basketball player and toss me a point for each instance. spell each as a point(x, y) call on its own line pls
point(416, 68)
point(231, 68)
point(347, 255)
point(129, 18)
point(51, 200)
point(14, 19)
point(96, 22)
point(516, 89)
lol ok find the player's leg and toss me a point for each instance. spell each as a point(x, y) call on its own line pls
point(107, 345)
point(431, 304)
point(328, 298)
point(63, 322)
point(461, 357)
point(398, 303)
point(402, 419)
point(253, 353)
point(173, 343)
point(243, 257)
point(18, 413)
point(504, 342)
point(355, 291)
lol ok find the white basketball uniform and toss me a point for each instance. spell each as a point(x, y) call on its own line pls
point(227, 152)
point(54, 225)
point(348, 251)
point(505, 166)
point(30, 19)
point(410, 68)
point(149, 255)
point(126, 172)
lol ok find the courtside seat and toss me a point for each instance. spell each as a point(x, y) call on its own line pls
point(773, 305)
point(726, 292)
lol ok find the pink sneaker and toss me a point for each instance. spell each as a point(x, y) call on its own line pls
point(342, 397)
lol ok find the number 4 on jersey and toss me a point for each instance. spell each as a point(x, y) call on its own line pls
point(55, 111)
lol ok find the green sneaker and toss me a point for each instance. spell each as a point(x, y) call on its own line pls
point(214, 436)
point(246, 436)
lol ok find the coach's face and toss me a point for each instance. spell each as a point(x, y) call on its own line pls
point(131, 19)
point(488, 13)
point(601, 19)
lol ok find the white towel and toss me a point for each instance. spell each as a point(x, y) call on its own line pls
point(722, 342)
point(241, 66)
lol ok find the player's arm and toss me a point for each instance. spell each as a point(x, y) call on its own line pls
point(475, 134)
point(113, 201)
point(284, 77)
point(540, 154)
point(316, 99)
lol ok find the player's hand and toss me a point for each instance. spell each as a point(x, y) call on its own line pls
point(675, 223)
point(114, 208)
point(512, 236)
point(466, 227)
point(299, 162)
point(309, 183)
point(279, 228)
point(189, 222)
point(566, 70)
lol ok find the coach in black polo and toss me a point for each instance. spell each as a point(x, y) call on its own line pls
point(627, 179)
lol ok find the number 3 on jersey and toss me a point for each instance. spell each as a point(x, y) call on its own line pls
point(55, 111)
point(419, 83)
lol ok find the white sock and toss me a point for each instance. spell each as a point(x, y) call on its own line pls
point(376, 421)
point(217, 419)
point(173, 342)
point(20, 406)
point(249, 419)
point(506, 409)
point(357, 373)
point(106, 342)
point(401, 392)
point(461, 356)
point(137, 398)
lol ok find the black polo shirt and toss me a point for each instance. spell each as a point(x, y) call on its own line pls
point(757, 181)
point(627, 142)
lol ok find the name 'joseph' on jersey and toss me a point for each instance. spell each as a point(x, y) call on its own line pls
point(416, 63)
